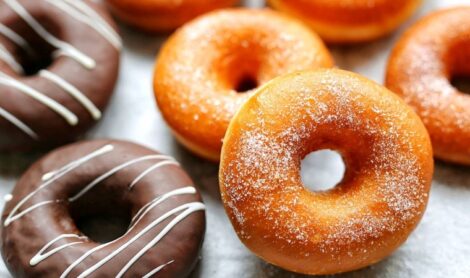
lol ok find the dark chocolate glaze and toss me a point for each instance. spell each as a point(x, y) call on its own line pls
point(24, 237)
point(97, 83)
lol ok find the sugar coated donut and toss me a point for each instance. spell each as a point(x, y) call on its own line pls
point(369, 214)
point(420, 69)
point(349, 21)
point(40, 234)
point(204, 64)
point(163, 15)
point(59, 61)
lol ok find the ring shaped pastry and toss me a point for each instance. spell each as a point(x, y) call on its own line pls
point(204, 65)
point(421, 68)
point(59, 63)
point(370, 213)
point(163, 15)
point(349, 21)
point(40, 237)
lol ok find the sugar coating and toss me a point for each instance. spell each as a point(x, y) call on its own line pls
point(354, 12)
point(199, 67)
point(384, 145)
point(349, 21)
point(420, 70)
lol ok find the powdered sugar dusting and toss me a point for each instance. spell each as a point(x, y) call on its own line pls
point(198, 71)
point(419, 71)
point(384, 145)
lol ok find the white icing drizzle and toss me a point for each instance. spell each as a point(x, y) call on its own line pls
point(180, 191)
point(83, 13)
point(150, 169)
point(188, 210)
point(41, 256)
point(79, 11)
point(14, 37)
point(64, 47)
point(10, 60)
point(74, 164)
point(155, 202)
point(12, 216)
point(28, 210)
point(115, 170)
point(179, 213)
point(157, 269)
point(68, 115)
point(73, 91)
point(18, 123)
point(83, 257)
point(185, 209)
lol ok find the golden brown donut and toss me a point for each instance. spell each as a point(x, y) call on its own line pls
point(420, 68)
point(372, 211)
point(163, 15)
point(349, 21)
point(203, 64)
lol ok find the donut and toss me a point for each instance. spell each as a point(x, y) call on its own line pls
point(421, 68)
point(40, 236)
point(370, 213)
point(59, 62)
point(163, 15)
point(349, 21)
point(213, 64)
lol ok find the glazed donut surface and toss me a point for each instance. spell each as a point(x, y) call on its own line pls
point(202, 65)
point(64, 99)
point(40, 234)
point(163, 15)
point(368, 215)
point(421, 68)
point(349, 21)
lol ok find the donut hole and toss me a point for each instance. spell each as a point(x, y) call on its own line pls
point(246, 83)
point(459, 55)
point(322, 170)
point(101, 216)
point(239, 68)
point(41, 59)
point(40, 54)
point(461, 83)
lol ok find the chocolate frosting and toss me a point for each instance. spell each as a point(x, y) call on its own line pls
point(95, 177)
point(79, 28)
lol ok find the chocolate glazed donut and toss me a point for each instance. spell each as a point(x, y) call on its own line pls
point(39, 231)
point(59, 63)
